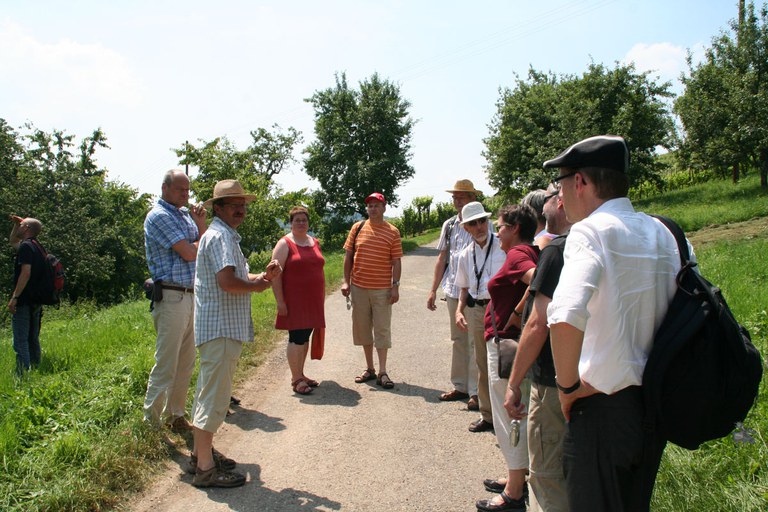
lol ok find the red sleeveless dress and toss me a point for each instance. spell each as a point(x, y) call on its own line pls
point(303, 288)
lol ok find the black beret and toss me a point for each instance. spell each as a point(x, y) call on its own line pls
point(607, 151)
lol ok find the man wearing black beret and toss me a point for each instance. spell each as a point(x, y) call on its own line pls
point(616, 284)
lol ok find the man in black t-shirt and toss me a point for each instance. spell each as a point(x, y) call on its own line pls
point(29, 271)
point(546, 424)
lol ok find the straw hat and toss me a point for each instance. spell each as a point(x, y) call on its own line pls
point(464, 186)
point(229, 189)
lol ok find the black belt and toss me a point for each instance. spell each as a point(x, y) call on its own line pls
point(482, 302)
point(177, 288)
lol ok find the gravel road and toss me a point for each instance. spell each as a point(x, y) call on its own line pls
point(348, 446)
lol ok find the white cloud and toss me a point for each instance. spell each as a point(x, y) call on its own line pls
point(662, 59)
point(44, 81)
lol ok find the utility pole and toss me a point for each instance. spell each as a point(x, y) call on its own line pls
point(186, 148)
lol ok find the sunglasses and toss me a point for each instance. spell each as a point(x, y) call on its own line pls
point(474, 223)
point(555, 181)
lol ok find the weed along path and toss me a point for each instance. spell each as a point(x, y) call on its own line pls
point(348, 446)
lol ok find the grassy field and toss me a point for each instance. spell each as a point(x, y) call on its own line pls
point(71, 435)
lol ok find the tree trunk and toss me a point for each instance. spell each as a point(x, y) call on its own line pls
point(735, 173)
point(764, 168)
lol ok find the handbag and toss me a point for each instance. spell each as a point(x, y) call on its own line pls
point(318, 343)
point(506, 349)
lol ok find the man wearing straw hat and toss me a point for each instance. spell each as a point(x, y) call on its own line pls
point(453, 239)
point(222, 324)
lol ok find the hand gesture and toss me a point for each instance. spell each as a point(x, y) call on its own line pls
point(273, 270)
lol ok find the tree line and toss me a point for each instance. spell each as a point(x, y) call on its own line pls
point(715, 128)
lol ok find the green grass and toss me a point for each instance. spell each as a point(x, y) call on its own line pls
point(724, 475)
point(713, 202)
point(71, 435)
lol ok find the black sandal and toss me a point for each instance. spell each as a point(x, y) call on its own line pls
point(384, 381)
point(368, 374)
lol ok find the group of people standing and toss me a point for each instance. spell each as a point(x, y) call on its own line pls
point(574, 275)
point(581, 297)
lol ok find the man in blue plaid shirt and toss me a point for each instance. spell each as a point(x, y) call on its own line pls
point(171, 236)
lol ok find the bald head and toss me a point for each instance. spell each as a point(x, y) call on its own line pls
point(176, 188)
point(30, 228)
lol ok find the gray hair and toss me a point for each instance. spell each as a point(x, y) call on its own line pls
point(536, 199)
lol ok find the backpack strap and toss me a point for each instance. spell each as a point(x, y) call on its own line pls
point(354, 240)
point(677, 232)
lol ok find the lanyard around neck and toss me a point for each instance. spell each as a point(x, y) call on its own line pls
point(479, 273)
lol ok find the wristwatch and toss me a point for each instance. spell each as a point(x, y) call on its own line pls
point(396, 283)
point(570, 389)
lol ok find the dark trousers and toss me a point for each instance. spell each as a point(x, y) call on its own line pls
point(610, 461)
point(26, 336)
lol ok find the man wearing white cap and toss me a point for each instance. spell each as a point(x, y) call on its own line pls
point(453, 239)
point(617, 281)
point(478, 262)
point(222, 324)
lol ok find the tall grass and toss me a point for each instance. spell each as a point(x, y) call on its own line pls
point(725, 475)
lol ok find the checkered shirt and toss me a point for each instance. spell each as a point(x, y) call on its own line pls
point(164, 226)
point(218, 313)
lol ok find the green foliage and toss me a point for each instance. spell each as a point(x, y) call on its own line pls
point(544, 114)
point(362, 144)
point(725, 103)
point(90, 223)
point(254, 168)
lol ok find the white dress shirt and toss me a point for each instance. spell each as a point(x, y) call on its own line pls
point(616, 285)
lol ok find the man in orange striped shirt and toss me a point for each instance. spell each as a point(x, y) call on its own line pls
point(372, 280)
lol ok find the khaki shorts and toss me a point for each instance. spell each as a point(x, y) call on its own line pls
point(218, 361)
point(371, 317)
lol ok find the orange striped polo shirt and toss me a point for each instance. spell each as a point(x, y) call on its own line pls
point(375, 249)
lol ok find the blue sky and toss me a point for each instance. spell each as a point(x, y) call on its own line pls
point(153, 74)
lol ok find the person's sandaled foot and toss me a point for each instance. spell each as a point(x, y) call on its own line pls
point(495, 485)
point(368, 374)
point(310, 382)
point(452, 396)
point(301, 387)
point(217, 477)
point(501, 503)
point(221, 461)
point(384, 381)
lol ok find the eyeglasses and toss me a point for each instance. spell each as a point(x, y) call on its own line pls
point(550, 196)
point(474, 223)
point(557, 180)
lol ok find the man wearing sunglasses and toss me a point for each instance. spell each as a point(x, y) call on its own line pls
point(478, 262)
point(617, 281)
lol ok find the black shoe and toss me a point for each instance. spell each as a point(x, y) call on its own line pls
point(480, 426)
point(493, 485)
point(508, 505)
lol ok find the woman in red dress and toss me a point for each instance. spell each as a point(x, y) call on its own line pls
point(300, 294)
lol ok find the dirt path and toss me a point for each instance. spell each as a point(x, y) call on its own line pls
point(351, 447)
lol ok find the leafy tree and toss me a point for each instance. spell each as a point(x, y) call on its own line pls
point(545, 114)
point(93, 225)
point(725, 104)
point(254, 168)
point(422, 205)
point(362, 144)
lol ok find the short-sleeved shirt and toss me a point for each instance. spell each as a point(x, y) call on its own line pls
point(164, 226)
point(475, 270)
point(28, 254)
point(375, 248)
point(617, 281)
point(459, 239)
point(507, 289)
point(544, 282)
point(220, 314)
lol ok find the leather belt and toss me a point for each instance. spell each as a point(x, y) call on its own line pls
point(482, 302)
point(178, 288)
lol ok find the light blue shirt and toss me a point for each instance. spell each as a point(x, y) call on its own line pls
point(164, 226)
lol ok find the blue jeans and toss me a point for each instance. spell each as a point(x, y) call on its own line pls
point(26, 336)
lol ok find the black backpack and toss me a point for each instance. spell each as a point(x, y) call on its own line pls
point(703, 373)
point(50, 286)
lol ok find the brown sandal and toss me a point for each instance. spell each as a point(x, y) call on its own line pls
point(301, 387)
point(384, 381)
point(216, 477)
point(368, 374)
point(310, 382)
